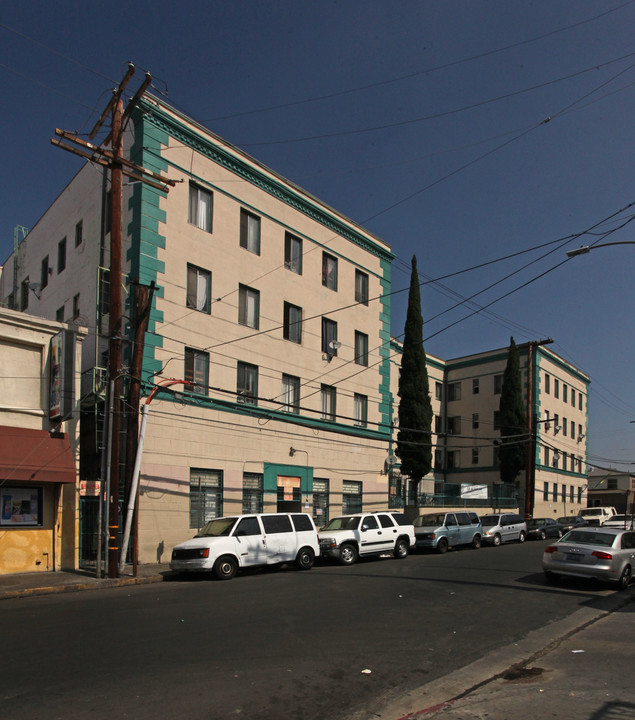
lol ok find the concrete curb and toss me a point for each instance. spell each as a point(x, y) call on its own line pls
point(104, 584)
point(441, 693)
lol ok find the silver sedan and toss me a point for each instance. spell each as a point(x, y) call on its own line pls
point(606, 554)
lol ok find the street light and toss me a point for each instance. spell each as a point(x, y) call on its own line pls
point(584, 249)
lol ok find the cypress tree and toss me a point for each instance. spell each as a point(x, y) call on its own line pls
point(513, 420)
point(414, 446)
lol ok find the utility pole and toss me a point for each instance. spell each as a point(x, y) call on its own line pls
point(112, 158)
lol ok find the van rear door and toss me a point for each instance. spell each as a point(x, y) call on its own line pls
point(279, 538)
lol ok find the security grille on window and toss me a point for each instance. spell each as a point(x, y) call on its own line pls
point(361, 348)
point(199, 284)
point(250, 232)
point(291, 393)
point(248, 307)
point(360, 404)
point(292, 323)
point(329, 336)
point(196, 370)
point(247, 384)
point(320, 501)
point(293, 253)
point(351, 497)
point(252, 493)
point(329, 271)
point(206, 496)
point(328, 401)
point(200, 209)
point(361, 287)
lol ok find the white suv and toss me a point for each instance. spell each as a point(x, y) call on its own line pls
point(351, 536)
point(227, 543)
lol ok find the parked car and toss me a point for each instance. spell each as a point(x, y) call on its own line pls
point(351, 536)
point(597, 515)
point(503, 527)
point(571, 522)
point(228, 543)
point(605, 554)
point(625, 522)
point(441, 531)
point(542, 528)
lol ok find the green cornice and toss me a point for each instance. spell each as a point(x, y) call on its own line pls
point(206, 145)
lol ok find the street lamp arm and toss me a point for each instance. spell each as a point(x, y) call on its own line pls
point(584, 249)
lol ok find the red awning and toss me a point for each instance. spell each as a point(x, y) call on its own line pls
point(35, 455)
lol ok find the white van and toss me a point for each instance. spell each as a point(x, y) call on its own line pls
point(227, 543)
point(597, 515)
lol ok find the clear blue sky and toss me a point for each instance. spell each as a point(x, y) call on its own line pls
point(423, 121)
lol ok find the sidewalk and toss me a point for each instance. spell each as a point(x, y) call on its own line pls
point(45, 583)
point(578, 668)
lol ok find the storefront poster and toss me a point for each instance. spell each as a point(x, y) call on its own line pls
point(20, 506)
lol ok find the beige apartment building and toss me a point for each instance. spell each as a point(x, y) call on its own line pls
point(271, 309)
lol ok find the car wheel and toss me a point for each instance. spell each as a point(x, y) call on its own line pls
point(543, 535)
point(522, 536)
point(305, 559)
point(442, 545)
point(225, 568)
point(348, 554)
point(625, 578)
point(476, 542)
point(401, 549)
point(497, 540)
point(550, 576)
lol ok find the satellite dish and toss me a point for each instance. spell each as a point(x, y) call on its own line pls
point(335, 344)
point(391, 460)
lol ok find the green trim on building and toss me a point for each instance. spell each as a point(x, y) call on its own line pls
point(272, 470)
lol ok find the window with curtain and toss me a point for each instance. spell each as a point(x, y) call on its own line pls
point(329, 271)
point(200, 208)
point(361, 348)
point(292, 323)
point(250, 232)
point(360, 410)
point(328, 396)
point(247, 383)
point(293, 253)
point(248, 307)
point(361, 287)
point(291, 393)
point(196, 370)
point(329, 335)
point(199, 284)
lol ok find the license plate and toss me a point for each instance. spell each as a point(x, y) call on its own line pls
point(569, 557)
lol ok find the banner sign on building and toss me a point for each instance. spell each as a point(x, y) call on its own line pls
point(62, 375)
point(473, 492)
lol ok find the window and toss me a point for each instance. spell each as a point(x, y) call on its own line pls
point(547, 383)
point(61, 255)
point(572, 430)
point(361, 287)
point(200, 210)
point(248, 307)
point(329, 398)
point(199, 283)
point(438, 424)
point(565, 427)
point(24, 294)
point(572, 397)
point(360, 409)
point(79, 233)
point(75, 306)
point(292, 323)
point(291, 393)
point(580, 433)
point(361, 348)
point(474, 421)
point(498, 384)
point(556, 421)
point(474, 456)
point(44, 273)
point(252, 494)
point(293, 253)
point(565, 393)
point(556, 388)
point(545, 489)
point(497, 420)
point(547, 423)
point(438, 459)
point(247, 383)
point(438, 391)
point(579, 401)
point(196, 370)
point(546, 459)
point(206, 496)
point(454, 391)
point(329, 271)
point(351, 497)
point(579, 495)
point(454, 425)
point(59, 314)
point(250, 232)
point(453, 459)
point(475, 386)
point(320, 501)
point(329, 336)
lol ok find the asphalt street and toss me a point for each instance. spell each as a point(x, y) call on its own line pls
point(306, 645)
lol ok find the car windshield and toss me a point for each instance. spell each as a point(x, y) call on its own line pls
point(220, 527)
point(489, 520)
point(580, 537)
point(537, 522)
point(429, 520)
point(343, 523)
